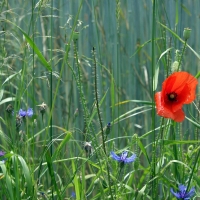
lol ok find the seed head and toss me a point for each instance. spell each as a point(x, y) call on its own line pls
point(88, 147)
point(9, 109)
point(18, 121)
point(175, 66)
point(42, 108)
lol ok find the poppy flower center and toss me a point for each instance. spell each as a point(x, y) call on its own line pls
point(172, 96)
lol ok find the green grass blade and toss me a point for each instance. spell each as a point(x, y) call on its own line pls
point(27, 176)
point(10, 77)
point(51, 172)
point(193, 122)
point(62, 144)
point(76, 184)
point(155, 78)
point(8, 182)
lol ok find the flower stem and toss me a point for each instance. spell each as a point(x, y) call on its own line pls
point(179, 63)
point(198, 75)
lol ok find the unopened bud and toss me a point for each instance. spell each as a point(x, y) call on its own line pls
point(108, 128)
point(75, 35)
point(175, 66)
point(186, 33)
point(190, 148)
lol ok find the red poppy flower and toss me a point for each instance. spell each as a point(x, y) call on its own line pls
point(178, 89)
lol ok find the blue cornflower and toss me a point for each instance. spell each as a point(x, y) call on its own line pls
point(24, 113)
point(2, 153)
point(29, 112)
point(73, 195)
point(123, 158)
point(182, 194)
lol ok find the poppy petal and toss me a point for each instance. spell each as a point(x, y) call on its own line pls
point(164, 110)
point(192, 83)
point(176, 81)
point(186, 80)
point(161, 109)
point(179, 116)
point(179, 81)
point(181, 99)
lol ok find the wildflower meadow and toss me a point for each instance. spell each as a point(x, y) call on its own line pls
point(99, 99)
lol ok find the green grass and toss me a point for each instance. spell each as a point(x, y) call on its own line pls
point(92, 63)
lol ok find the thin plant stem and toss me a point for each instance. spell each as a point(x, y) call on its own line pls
point(100, 121)
point(51, 171)
point(153, 164)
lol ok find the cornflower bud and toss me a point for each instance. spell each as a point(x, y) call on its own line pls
point(108, 128)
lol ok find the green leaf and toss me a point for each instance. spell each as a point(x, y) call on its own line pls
point(11, 76)
point(62, 144)
point(76, 181)
point(185, 9)
point(34, 47)
point(135, 101)
point(7, 100)
point(193, 122)
point(198, 75)
point(142, 45)
point(27, 176)
point(51, 172)
point(8, 182)
point(1, 94)
point(141, 193)
point(175, 35)
point(172, 142)
point(143, 150)
point(155, 78)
